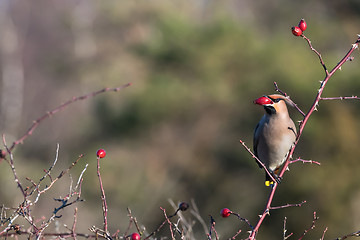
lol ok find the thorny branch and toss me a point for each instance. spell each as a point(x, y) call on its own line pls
point(303, 124)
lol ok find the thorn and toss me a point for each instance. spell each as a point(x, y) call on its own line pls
point(249, 232)
point(260, 216)
point(340, 68)
point(355, 46)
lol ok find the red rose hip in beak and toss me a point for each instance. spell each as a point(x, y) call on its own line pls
point(263, 101)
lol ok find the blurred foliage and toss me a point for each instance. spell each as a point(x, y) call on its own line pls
point(196, 67)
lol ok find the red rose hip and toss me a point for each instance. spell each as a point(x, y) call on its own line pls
point(101, 153)
point(296, 31)
point(135, 236)
point(225, 212)
point(302, 25)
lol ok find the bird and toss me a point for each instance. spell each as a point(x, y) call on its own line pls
point(274, 135)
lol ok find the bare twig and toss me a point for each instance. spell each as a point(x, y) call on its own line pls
point(73, 231)
point(354, 234)
point(236, 234)
point(341, 98)
point(157, 230)
point(323, 236)
point(289, 205)
point(132, 220)
point(288, 99)
point(242, 219)
point(59, 108)
point(317, 53)
point(11, 162)
point(285, 231)
point(258, 160)
point(212, 229)
point(169, 222)
point(304, 161)
point(53, 181)
point(315, 218)
point(103, 198)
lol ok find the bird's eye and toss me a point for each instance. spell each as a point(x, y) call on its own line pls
point(276, 100)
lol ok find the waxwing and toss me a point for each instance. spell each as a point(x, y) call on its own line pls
point(274, 135)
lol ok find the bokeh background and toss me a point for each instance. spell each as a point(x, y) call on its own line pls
point(196, 67)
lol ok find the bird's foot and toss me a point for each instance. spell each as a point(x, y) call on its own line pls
point(273, 176)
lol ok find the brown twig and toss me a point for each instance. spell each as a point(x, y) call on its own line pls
point(288, 99)
point(285, 231)
point(169, 222)
point(167, 219)
point(11, 163)
point(37, 186)
point(304, 161)
point(323, 236)
point(212, 229)
point(236, 234)
point(289, 205)
point(73, 231)
point(315, 218)
point(354, 234)
point(103, 198)
point(132, 220)
point(341, 98)
point(242, 219)
point(318, 54)
point(258, 161)
point(59, 108)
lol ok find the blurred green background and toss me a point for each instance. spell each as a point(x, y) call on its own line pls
point(196, 67)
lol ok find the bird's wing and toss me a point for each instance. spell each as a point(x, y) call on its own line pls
point(256, 142)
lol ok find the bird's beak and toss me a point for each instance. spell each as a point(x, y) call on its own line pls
point(263, 101)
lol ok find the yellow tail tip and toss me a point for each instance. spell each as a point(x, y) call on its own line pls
point(269, 183)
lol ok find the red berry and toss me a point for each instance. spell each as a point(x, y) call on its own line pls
point(135, 236)
point(302, 25)
point(225, 212)
point(296, 31)
point(101, 153)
